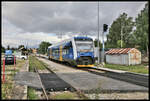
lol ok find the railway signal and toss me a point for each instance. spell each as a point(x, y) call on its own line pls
point(105, 27)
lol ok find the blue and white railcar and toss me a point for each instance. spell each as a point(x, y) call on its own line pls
point(78, 51)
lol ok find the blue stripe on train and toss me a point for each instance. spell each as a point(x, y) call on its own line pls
point(79, 54)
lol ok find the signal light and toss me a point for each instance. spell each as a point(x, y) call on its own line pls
point(105, 27)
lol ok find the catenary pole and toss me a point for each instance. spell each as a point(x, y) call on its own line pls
point(98, 35)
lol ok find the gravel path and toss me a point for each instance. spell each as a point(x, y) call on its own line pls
point(20, 91)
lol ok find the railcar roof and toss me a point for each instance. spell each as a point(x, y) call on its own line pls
point(64, 41)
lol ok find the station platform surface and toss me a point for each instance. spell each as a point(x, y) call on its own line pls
point(83, 81)
point(88, 81)
point(50, 81)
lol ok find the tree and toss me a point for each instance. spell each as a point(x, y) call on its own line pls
point(142, 32)
point(95, 43)
point(20, 46)
point(13, 49)
point(119, 44)
point(8, 47)
point(122, 24)
point(2, 49)
point(43, 47)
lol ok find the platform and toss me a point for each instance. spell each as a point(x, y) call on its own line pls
point(49, 80)
point(83, 81)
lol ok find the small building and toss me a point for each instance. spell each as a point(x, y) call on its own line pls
point(34, 51)
point(123, 56)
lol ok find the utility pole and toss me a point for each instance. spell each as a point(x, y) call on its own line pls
point(98, 35)
point(103, 48)
point(121, 35)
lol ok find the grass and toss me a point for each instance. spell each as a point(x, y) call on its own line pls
point(133, 68)
point(7, 86)
point(65, 95)
point(31, 94)
point(6, 89)
point(34, 62)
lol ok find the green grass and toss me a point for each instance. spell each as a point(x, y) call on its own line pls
point(6, 90)
point(34, 62)
point(31, 94)
point(133, 68)
point(8, 86)
point(65, 95)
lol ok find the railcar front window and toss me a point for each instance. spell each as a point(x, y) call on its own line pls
point(84, 46)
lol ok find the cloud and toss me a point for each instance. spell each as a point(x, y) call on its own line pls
point(69, 18)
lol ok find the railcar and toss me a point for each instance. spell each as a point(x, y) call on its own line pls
point(78, 51)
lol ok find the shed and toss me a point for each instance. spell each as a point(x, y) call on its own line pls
point(123, 56)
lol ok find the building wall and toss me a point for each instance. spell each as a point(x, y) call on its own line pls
point(117, 59)
point(135, 57)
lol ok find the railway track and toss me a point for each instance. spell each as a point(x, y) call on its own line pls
point(133, 78)
point(41, 83)
point(46, 93)
point(77, 91)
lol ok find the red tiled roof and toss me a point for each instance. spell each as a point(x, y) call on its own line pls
point(119, 51)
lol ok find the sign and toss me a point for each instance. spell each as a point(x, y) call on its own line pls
point(8, 52)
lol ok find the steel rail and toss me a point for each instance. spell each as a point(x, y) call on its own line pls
point(41, 83)
point(77, 91)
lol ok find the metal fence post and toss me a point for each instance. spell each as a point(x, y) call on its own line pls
point(3, 70)
point(14, 64)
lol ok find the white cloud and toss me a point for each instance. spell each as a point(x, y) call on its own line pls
point(44, 21)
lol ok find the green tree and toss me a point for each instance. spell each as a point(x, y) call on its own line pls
point(2, 49)
point(20, 46)
point(8, 47)
point(43, 47)
point(119, 44)
point(95, 43)
point(142, 32)
point(122, 24)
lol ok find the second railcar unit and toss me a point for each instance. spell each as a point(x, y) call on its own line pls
point(78, 51)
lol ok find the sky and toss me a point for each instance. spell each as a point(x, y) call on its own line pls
point(30, 23)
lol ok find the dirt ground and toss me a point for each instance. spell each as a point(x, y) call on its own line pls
point(124, 96)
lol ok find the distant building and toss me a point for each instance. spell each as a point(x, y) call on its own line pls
point(23, 51)
point(123, 56)
point(34, 51)
point(17, 53)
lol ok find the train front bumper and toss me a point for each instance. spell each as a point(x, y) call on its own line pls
point(85, 65)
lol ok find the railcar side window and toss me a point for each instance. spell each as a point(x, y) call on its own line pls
point(66, 48)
